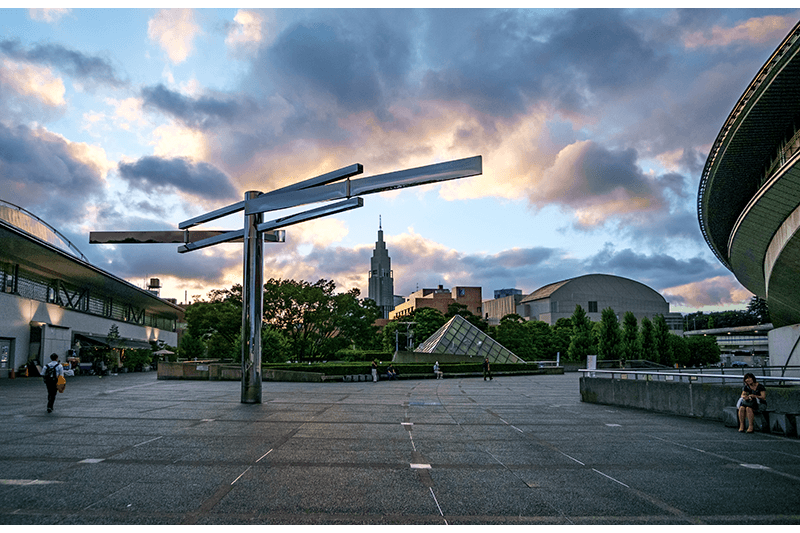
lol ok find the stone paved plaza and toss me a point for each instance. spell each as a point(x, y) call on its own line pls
point(130, 449)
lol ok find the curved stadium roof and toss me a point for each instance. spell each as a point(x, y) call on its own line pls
point(750, 185)
point(30, 223)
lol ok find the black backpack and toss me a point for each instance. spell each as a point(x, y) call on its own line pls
point(50, 372)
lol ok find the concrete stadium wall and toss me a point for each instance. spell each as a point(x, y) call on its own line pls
point(700, 400)
point(783, 346)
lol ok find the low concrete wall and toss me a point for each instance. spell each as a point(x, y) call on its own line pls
point(701, 400)
point(183, 370)
point(291, 375)
point(203, 370)
point(221, 372)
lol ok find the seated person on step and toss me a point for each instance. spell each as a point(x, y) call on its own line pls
point(753, 399)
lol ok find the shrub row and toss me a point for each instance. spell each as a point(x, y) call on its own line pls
point(343, 369)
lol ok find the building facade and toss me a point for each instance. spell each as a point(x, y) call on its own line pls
point(381, 278)
point(748, 201)
point(440, 299)
point(502, 305)
point(593, 292)
point(52, 300)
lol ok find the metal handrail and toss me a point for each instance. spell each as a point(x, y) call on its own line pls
point(683, 374)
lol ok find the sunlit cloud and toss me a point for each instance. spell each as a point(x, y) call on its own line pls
point(752, 31)
point(48, 14)
point(33, 81)
point(712, 292)
point(247, 30)
point(172, 140)
point(174, 30)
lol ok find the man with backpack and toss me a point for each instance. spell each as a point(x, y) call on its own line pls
point(50, 372)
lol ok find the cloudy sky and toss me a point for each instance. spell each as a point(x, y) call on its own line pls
point(594, 127)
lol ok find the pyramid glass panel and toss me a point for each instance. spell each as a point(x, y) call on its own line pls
point(459, 337)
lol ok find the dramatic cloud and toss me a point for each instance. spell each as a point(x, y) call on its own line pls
point(47, 174)
point(201, 112)
point(174, 30)
point(594, 126)
point(88, 69)
point(152, 174)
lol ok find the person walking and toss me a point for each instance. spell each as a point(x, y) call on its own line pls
point(374, 371)
point(487, 369)
point(51, 372)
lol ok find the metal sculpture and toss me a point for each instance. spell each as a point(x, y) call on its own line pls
point(331, 186)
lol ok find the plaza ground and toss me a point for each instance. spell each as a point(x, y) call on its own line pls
point(130, 449)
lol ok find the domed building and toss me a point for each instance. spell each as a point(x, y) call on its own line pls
point(594, 292)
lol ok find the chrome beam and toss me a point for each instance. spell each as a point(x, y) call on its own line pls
point(352, 203)
point(213, 215)
point(166, 237)
point(450, 170)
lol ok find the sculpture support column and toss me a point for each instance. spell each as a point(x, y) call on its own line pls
point(252, 305)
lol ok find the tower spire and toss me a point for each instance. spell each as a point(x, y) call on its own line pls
point(380, 227)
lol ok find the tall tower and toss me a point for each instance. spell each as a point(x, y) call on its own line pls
point(381, 281)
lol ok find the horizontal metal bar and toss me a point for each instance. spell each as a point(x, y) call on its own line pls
point(211, 241)
point(450, 170)
point(656, 373)
point(163, 237)
point(323, 179)
point(230, 236)
point(339, 207)
point(213, 215)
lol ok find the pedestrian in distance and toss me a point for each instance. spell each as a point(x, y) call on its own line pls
point(374, 370)
point(438, 373)
point(51, 372)
point(391, 373)
point(487, 369)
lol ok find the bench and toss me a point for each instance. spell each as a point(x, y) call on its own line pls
point(785, 423)
point(730, 415)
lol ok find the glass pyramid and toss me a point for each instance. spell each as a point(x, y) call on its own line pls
point(459, 337)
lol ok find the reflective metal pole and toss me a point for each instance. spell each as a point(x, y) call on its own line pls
point(252, 306)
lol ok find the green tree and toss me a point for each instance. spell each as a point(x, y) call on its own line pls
point(703, 350)
point(217, 322)
point(314, 320)
point(582, 340)
point(456, 308)
point(540, 339)
point(631, 345)
point(759, 310)
point(512, 334)
point(680, 350)
point(661, 336)
point(191, 347)
point(561, 333)
point(610, 337)
point(426, 321)
point(648, 341)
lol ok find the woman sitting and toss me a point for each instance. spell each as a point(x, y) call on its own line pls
point(754, 397)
